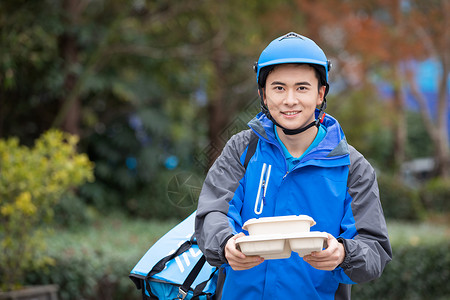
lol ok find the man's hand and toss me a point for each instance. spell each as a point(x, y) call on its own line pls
point(329, 258)
point(238, 260)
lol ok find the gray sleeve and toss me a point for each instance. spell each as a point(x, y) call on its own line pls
point(212, 228)
point(369, 252)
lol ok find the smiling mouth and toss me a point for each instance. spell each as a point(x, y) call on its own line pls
point(290, 113)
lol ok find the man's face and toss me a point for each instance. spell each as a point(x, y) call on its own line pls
point(291, 95)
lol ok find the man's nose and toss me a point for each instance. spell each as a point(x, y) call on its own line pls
point(291, 98)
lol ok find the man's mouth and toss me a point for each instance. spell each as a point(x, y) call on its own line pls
point(290, 113)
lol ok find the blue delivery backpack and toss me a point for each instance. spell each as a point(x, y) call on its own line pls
point(175, 268)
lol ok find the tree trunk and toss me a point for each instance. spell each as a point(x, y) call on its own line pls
point(216, 108)
point(399, 96)
point(69, 52)
point(436, 130)
point(442, 152)
point(400, 129)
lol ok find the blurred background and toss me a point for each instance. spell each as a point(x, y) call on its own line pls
point(137, 99)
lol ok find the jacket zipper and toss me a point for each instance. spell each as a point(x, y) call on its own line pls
point(262, 189)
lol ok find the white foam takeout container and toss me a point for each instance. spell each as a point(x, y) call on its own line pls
point(308, 242)
point(279, 225)
point(267, 246)
point(280, 246)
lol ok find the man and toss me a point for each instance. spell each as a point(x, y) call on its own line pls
point(302, 165)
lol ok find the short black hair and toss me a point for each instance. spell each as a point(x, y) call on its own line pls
point(319, 70)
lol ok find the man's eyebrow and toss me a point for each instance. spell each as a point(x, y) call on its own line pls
point(277, 83)
point(297, 83)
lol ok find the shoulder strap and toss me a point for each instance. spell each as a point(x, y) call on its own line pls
point(199, 288)
point(251, 148)
point(159, 266)
point(185, 287)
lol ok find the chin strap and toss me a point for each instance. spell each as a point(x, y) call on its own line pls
point(287, 131)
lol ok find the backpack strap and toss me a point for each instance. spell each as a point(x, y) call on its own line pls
point(251, 148)
point(185, 287)
point(160, 265)
point(198, 291)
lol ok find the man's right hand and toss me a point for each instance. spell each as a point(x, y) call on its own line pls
point(238, 260)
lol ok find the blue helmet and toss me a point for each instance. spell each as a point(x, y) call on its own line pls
point(292, 48)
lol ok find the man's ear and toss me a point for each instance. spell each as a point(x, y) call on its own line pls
point(321, 95)
point(261, 90)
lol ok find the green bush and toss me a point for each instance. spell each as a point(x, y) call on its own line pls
point(88, 274)
point(32, 181)
point(416, 272)
point(71, 211)
point(435, 195)
point(399, 201)
point(93, 262)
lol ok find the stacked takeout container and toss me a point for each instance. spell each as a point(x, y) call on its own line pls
point(277, 237)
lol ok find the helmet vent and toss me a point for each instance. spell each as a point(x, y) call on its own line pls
point(291, 35)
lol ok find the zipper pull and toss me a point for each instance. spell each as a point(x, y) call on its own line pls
point(285, 174)
point(263, 188)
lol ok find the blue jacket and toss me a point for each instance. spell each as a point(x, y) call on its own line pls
point(332, 183)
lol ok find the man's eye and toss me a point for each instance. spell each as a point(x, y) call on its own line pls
point(279, 88)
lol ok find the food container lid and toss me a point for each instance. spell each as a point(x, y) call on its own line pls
point(260, 238)
point(273, 237)
point(306, 235)
point(279, 219)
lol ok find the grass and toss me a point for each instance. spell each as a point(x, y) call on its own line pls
point(415, 234)
point(115, 235)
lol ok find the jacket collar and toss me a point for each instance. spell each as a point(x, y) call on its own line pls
point(333, 145)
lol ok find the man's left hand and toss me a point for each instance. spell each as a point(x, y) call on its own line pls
point(329, 258)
